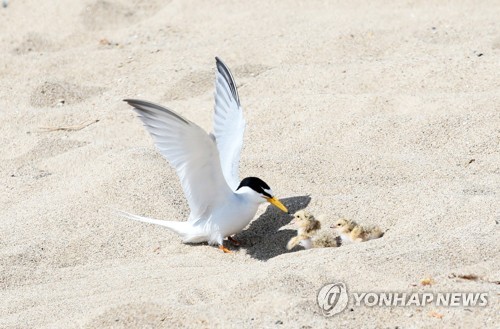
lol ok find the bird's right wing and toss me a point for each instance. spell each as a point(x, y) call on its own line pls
point(229, 124)
point(191, 151)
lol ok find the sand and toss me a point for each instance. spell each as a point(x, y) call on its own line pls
point(383, 112)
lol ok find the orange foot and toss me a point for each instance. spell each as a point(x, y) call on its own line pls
point(234, 241)
point(227, 251)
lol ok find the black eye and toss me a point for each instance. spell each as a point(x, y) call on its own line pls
point(338, 224)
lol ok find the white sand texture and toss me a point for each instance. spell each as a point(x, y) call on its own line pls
point(383, 112)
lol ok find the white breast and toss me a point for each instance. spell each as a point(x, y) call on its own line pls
point(234, 216)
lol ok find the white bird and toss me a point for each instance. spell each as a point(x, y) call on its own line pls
point(207, 166)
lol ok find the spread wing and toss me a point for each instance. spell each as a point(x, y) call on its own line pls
point(229, 124)
point(191, 151)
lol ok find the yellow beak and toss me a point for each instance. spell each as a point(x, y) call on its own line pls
point(277, 203)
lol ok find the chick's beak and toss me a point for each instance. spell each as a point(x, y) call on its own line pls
point(277, 203)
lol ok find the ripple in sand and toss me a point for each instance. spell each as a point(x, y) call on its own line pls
point(137, 315)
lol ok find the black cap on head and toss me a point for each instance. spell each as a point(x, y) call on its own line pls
point(256, 184)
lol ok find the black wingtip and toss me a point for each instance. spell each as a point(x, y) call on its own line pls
point(226, 73)
point(133, 102)
point(145, 106)
point(138, 102)
point(221, 67)
point(130, 101)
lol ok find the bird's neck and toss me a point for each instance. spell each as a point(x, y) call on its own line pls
point(250, 196)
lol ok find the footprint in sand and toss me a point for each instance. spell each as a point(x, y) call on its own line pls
point(194, 84)
point(57, 93)
point(19, 262)
point(33, 42)
point(250, 70)
point(25, 165)
point(199, 82)
point(25, 255)
point(103, 14)
point(48, 148)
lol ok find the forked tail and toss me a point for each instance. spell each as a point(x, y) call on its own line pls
point(181, 228)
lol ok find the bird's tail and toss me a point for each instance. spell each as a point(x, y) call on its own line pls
point(181, 228)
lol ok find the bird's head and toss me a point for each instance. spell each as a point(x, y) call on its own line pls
point(305, 220)
point(301, 217)
point(260, 191)
point(342, 225)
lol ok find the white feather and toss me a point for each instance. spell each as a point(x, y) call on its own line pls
point(229, 124)
point(193, 154)
point(207, 165)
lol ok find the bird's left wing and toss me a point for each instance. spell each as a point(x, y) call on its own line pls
point(229, 124)
point(191, 151)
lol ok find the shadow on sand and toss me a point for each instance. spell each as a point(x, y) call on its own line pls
point(263, 239)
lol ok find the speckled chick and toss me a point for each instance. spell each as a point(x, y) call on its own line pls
point(351, 231)
point(307, 228)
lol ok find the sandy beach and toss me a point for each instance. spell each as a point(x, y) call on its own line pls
point(386, 113)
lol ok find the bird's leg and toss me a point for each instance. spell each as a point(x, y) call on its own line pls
point(293, 242)
point(226, 251)
point(234, 241)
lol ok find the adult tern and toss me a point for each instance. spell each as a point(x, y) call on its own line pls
point(207, 165)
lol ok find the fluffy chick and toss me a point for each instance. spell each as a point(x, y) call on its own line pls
point(351, 231)
point(308, 226)
point(322, 240)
